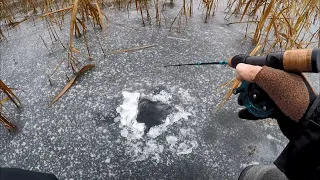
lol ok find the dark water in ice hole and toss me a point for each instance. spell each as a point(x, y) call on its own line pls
point(152, 113)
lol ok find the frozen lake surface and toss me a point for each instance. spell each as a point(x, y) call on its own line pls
point(100, 129)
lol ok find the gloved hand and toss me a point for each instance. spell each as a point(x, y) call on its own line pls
point(291, 93)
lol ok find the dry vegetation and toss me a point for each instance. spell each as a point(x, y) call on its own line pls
point(279, 24)
point(276, 24)
point(6, 94)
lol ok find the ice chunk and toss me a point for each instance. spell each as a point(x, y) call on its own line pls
point(185, 148)
point(172, 140)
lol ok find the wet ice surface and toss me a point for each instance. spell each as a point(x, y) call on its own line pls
point(86, 134)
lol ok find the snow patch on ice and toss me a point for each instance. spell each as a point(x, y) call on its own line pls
point(141, 147)
point(171, 119)
point(107, 160)
point(244, 165)
point(185, 95)
point(185, 148)
point(131, 128)
point(273, 138)
point(172, 141)
point(185, 132)
point(163, 96)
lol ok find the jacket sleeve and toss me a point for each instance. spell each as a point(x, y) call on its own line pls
point(301, 157)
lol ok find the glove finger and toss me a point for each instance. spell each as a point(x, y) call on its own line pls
point(245, 114)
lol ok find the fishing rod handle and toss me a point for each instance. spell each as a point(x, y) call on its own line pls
point(300, 60)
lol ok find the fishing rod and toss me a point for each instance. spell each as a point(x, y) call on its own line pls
point(254, 98)
point(298, 60)
point(200, 63)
